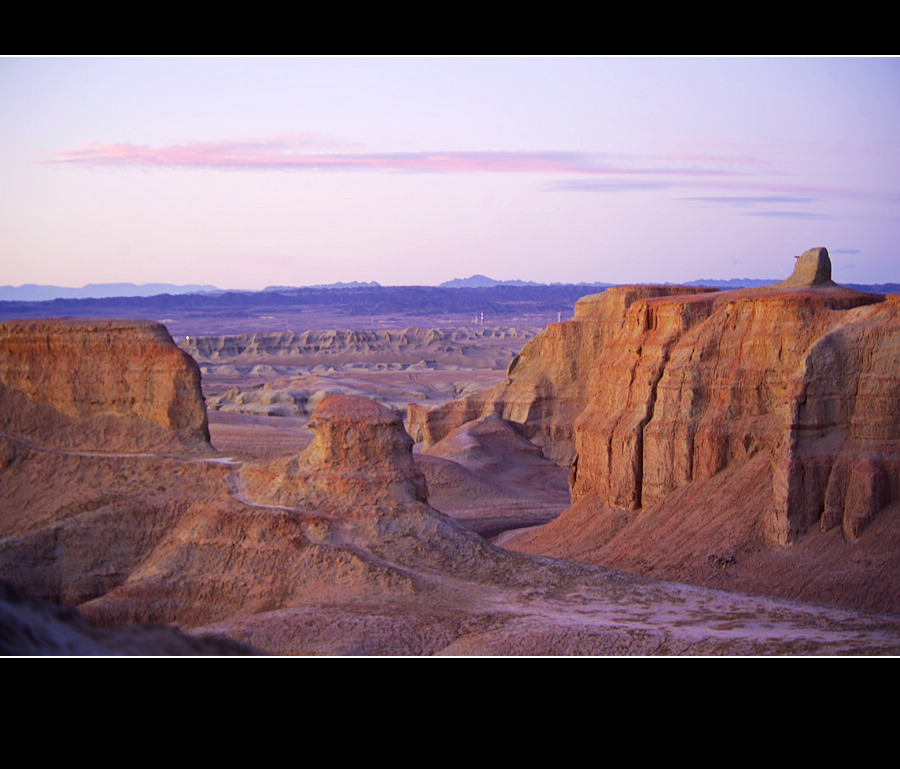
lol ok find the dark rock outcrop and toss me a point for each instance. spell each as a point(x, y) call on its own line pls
point(32, 628)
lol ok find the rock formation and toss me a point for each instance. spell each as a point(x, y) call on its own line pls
point(390, 347)
point(99, 385)
point(667, 390)
point(360, 459)
point(692, 385)
point(546, 384)
point(813, 268)
point(486, 474)
point(336, 550)
point(31, 628)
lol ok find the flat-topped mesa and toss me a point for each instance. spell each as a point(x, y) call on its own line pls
point(651, 388)
point(360, 459)
point(107, 385)
point(693, 385)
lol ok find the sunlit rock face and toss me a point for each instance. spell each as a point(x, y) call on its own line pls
point(99, 385)
point(651, 388)
point(813, 268)
point(547, 382)
point(697, 384)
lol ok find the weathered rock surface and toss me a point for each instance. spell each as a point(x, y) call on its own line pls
point(813, 268)
point(803, 373)
point(397, 347)
point(489, 477)
point(99, 384)
point(360, 459)
point(337, 551)
point(695, 384)
point(546, 384)
point(31, 628)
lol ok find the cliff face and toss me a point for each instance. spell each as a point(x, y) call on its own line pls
point(99, 385)
point(838, 460)
point(649, 389)
point(335, 550)
point(547, 382)
point(693, 385)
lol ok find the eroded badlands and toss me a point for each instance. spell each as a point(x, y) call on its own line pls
point(739, 447)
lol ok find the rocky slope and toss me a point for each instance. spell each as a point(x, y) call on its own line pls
point(30, 628)
point(488, 476)
point(336, 551)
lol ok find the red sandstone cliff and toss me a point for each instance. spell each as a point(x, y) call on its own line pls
point(547, 382)
point(692, 385)
point(802, 376)
point(101, 384)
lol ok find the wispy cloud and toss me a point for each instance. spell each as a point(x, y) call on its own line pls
point(750, 200)
point(609, 185)
point(790, 214)
point(737, 177)
point(312, 152)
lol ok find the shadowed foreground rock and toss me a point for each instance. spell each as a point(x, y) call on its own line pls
point(33, 628)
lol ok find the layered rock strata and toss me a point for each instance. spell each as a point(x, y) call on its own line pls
point(547, 382)
point(361, 458)
point(337, 553)
point(694, 385)
point(666, 387)
point(99, 385)
point(398, 348)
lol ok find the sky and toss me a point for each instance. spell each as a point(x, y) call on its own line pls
point(246, 172)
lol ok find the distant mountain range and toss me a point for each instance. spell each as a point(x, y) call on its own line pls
point(32, 292)
point(481, 281)
point(351, 284)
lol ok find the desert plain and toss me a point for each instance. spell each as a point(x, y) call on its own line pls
point(651, 470)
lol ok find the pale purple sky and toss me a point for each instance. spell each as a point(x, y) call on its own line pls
point(248, 172)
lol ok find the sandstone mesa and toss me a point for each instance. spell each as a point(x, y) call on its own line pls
point(712, 437)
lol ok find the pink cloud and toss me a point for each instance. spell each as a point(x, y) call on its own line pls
point(301, 152)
